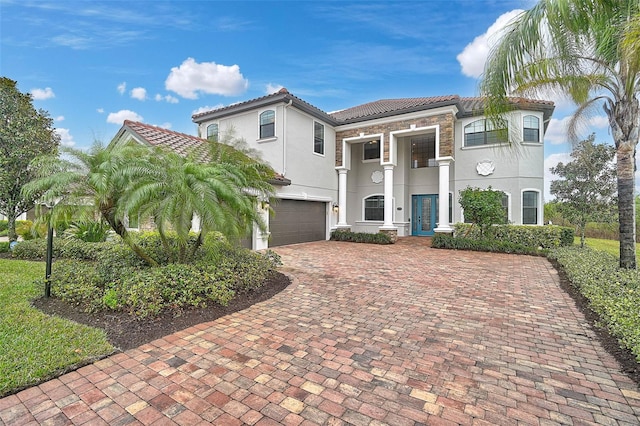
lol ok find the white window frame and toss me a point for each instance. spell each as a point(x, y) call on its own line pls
point(364, 208)
point(538, 206)
point(260, 137)
point(322, 126)
point(486, 124)
point(372, 160)
point(524, 117)
point(208, 136)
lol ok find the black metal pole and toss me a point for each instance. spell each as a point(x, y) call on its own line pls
point(47, 276)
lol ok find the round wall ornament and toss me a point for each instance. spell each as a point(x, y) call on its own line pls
point(485, 168)
point(377, 176)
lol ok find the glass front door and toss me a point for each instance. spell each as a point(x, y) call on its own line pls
point(424, 209)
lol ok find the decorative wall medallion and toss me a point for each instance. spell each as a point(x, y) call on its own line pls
point(485, 168)
point(377, 176)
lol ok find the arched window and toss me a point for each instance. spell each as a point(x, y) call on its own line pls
point(531, 129)
point(530, 207)
point(482, 132)
point(212, 132)
point(374, 207)
point(267, 124)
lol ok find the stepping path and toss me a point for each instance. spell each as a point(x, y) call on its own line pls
point(364, 335)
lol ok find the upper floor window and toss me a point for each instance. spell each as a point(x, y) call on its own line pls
point(505, 207)
point(318, 138)
point(267, 124)
point(371, 150)
point(423, 151)
point(530, 207)
point(531, 129)
point(482, 132)
point(374, 207)
point(212, 132)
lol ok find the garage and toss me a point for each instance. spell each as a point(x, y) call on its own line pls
point(297, 221)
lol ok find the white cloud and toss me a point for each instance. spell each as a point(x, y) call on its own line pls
point(139, 93)
point(166, 125)
point(59, 118)
point(192, 78)
point(124, 114)
point(552, 161)
point(42, 94)
point(599, 121)
point(273, 88)
point(206, 109)
point(474, 55)
point(100, 110)
point(65, 137)
point(122, 87)
point(168, 98)
point(557, 131)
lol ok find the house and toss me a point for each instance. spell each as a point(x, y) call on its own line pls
point(393, 165)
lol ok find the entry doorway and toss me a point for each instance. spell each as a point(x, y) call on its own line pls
point(424, 214)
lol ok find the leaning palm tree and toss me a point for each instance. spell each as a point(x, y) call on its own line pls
point(589, 51)
point(88, 184)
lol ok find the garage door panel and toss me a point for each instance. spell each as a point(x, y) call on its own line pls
point(297, 221)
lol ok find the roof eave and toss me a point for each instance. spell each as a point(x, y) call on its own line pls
point(418, 108)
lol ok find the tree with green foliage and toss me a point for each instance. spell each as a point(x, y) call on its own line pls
point(589, 51)
point(586, 190)
point(482, 207)
point(25, 133)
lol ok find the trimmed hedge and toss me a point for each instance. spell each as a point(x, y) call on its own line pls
point(529, 236)
point(613, 293)
point(448, 241)
point(108, 276)
point(361, 237)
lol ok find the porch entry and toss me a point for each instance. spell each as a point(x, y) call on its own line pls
point(424, 214)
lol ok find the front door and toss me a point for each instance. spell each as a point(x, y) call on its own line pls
point(424, 210)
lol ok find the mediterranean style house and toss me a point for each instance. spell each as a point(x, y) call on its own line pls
point(394, 165)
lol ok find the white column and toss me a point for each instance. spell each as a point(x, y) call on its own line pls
point(342, 199)
point(443, 196)
point(260, 240)
point(388, 197)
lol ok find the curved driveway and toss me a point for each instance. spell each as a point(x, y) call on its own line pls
point(365, 335)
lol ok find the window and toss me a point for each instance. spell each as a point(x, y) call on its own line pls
point(318, 138)
point(133, 221)
point(374, 207)
point(531, 132)
point(530, 208)
point(267, 124)
point(450, 208)
point(212, 132)
point(482, 132)
point(371, 150)
point(423, 151)
point(505, 207)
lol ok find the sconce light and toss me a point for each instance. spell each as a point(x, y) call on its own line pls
point(335, 206)
point(265, 205)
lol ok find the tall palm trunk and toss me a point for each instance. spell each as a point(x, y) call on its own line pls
point(624, 117)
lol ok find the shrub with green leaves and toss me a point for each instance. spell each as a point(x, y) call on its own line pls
point(613, 293)
point(448, 241)
point(482, 207)
point(4, 225)
point(361, 237)
point(91, 231)
point(530, 236)
point(4, 246)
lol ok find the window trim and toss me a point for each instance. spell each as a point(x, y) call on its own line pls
point(316, 139)
point(364, 208)
point(509, 213)
point(484, 133)
point(435, 154)
point(524, 128)
point(260, 125)
point(538, 204)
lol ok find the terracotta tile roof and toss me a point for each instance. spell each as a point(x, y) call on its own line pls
point(181, 143)
point(387, 107)
point(476, 104)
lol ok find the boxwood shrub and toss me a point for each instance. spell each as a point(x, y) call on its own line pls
point(361, 237)
point(448, 241)
point(613, 293)
point(530, 236)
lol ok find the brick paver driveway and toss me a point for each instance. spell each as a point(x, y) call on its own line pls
point(365, 335)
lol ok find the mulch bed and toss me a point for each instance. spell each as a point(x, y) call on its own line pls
point(124, 331)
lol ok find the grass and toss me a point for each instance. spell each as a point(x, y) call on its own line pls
point(35, 346)
point(610, 246)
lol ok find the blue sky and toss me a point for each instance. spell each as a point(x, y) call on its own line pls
point(92, 64)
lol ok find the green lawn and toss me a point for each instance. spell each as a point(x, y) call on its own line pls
point(610, 246)
point(34, 346)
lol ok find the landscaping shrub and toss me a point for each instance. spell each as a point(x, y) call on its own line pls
point(361, 237)
point(109, 275)
point(93, 231)
point(448, 241)
point(4, 225)
point(613, 293)
point(4, 246)
point(530, 236)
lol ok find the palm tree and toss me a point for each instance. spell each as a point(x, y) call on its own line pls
point(589, 51)
point(90, 183)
